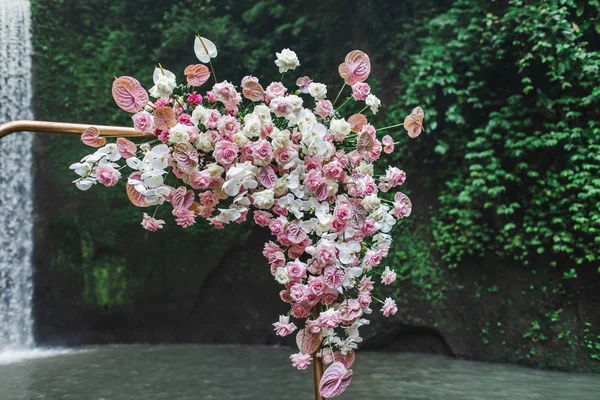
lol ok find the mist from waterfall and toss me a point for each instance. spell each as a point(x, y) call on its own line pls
point(16, 180)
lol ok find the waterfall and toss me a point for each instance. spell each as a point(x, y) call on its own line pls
point(16, 180)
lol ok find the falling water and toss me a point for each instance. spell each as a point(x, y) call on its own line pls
point(16, 191)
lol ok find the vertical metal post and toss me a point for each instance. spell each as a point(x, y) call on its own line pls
point(317, 373)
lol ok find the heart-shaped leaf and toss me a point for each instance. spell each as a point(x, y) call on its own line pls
point(357, 121)
point(164, 118)
point(181, 198)
point(91, 137)
point(335, 380)
point(196, 74)
point(129, 94)
point(267, 177)
point(356, 67)
point(204, 49)
point(307, 341)
point(126, 148)
point(134, 196)
point(253, 91)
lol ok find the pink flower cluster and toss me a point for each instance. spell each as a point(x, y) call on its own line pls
point(294, 162)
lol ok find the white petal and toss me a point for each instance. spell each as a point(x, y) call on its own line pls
point(201, 50)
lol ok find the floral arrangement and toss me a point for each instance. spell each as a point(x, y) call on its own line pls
point(289, 156)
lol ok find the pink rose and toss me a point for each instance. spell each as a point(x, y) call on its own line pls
point(151, 224)
point(388, 277)
point(326, 253)
point(185, 119)
point(296, 269)
point(228, 126)
point(298, 292)
point(360, 91)
point(324, 108)
point(299, 311)
point(364, 298)
point(107, 175)
point(276, 226)
point(200, 180)
point(208, 199)
point(283, 327)
point(143, 122)
point(185, 218)
point(313, 326)
point(300, 361)
point(275, 89)
point(316, 285)
point(313, 180)
point(372, 258)
point(262, 152)
point(366, 284)
point(262, 218)
point(389, 307)
point(213, 119)
point(225, 152)
point(334, 171)
point(284, 295)
point(329, 319)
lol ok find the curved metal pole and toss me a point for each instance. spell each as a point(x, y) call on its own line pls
point(68, 128)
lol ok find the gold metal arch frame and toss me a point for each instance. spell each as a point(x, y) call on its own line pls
point(67, 128)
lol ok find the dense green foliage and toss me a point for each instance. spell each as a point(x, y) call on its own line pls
point(507, 168)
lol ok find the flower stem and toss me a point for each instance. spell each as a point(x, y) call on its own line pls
point(389, 127)
point(338, 95)
point(343, 103)
point(210, 60)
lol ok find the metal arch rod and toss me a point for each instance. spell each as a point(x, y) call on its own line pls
point(68, 128)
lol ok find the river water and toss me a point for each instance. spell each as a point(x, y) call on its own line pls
point(186, 372)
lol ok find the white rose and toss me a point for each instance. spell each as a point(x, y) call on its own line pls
point(365, 168)
point(339, 129)
point(371, 203)
point(286, 60)
point(373, 102)
point(240, 140)
point(264, 199)
point(282, 276)
point(317, 90)
point(200, 115)
point(280, 139)
point(179, 134)
point(164, 83)
point(252, 125)
point(215, 170)
point(263, 112)
point(203, 143)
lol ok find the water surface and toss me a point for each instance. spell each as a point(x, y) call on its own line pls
point(186, 372)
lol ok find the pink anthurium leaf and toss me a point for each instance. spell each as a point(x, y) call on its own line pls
point(91, 137)
point(129, 94)
point(164, 118)
point(134, 196)
point(307, 341)
point(267, 177)
point(356, 67)
point(335, 380)
point(196, 74)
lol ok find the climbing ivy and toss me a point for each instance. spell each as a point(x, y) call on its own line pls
point(513, 128)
